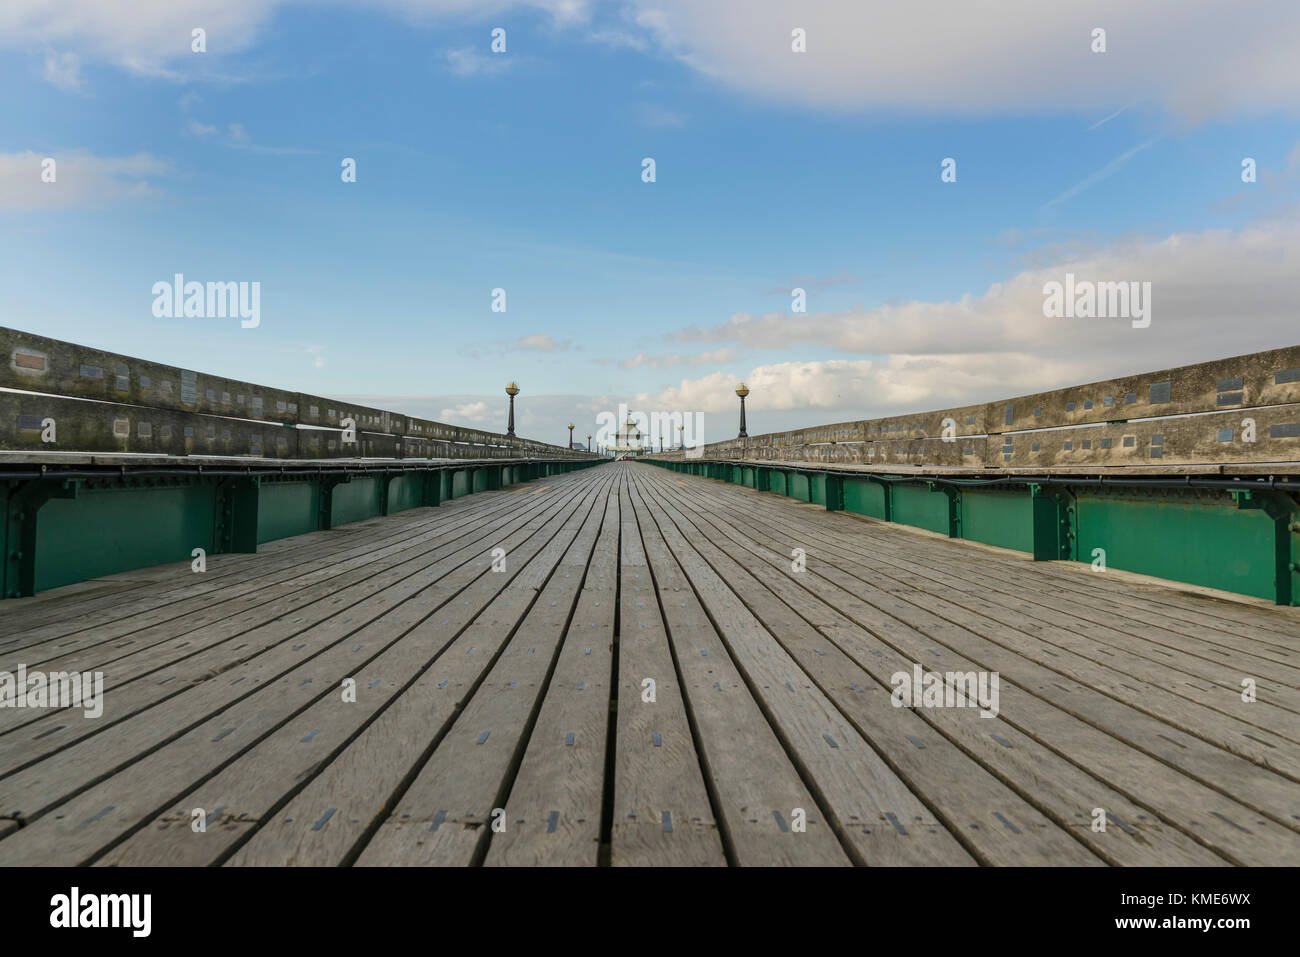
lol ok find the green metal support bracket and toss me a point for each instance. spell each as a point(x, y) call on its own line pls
point(384, 484)
point(954, 506)
point(834, 493)
point(22, 505)
point(1285, 513)
point(325, 518)
point(1053, 524)
point(235, 521)
point(431, 488)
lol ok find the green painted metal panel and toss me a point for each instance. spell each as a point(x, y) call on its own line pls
point(1197, 540)
point(459, 483)
point(1005, 519)
point(405, 492)
point(286, 508)
point(797, 485)
point(916, 505)
point(104, 531)
point(480, 480)
point(817, 489)
point(864, 498)
point(355, 501)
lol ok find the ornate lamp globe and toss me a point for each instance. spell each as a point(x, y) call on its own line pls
point(742, 390)
point(512, 389)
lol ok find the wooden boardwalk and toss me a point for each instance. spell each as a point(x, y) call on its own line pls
point(771, 737)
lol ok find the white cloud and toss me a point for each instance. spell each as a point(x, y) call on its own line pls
point(81, 179)
point(63, 70)
point(678, 359)
point(472, 61)
point(541, 342)
point(534, 342)
point(1195, 58)
point(142, 36)
point(657, 117)
point(237, 137)
point(1214, 294)
point(476, 412)
point(152, 37)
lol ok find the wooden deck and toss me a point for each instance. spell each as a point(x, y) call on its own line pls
point(525, 690)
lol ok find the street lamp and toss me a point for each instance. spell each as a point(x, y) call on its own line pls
point(570, 435)
point(588, 441)
point(742, 390)
point(681, 438)
point(512, 390)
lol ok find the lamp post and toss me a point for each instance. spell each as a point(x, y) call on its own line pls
point(742, 390)
point(661, 441)
point(588, 441)
point(512, 390)
point(681, 437)
point(570, 435)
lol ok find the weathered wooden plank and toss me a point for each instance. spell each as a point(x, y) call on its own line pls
point(861, 791)
point(1207, 654)
point(1195, 797)
point(449, 813)
point(661, 812)
point(288, 635)
point(873, 812)
point(1074, 603)
point(553, 809)
point(326, 555)
point(994, 821)
point(249, 788)
point(216, 731)
point(94, 645)
point(366, 781)
point(754, 785)
point(856, 667)
point(129, 602)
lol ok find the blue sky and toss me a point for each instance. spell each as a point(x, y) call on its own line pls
point(522, 171)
